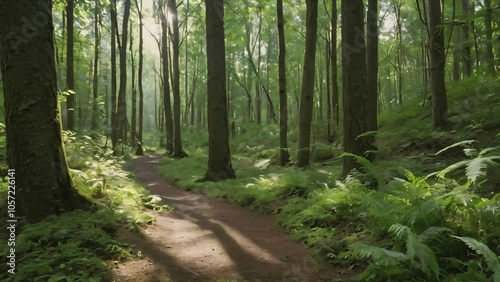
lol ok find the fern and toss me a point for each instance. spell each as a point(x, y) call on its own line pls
point(475, 167)
point(458, 144)
point(491, 259)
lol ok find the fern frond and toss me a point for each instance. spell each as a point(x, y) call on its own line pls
point(362, 160)
point(453, 167)
point(399, 230)
point(477, 167)
point(425, 255)
point(489, 150)
point(461, 143)
point(432, 233)
point(489, 256)
point(379, 255)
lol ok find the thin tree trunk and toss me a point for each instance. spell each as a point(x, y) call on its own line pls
point(466, 49)
point(139, 74)
point(133, 122)
point(178, 151)
point(114, 100)
point(284, 155)
point(95, 83)
point(70, 73)
point(122, 92)
point(167, 107)
point(372, 66)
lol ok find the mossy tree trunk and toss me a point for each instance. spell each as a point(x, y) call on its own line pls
point(34, 142)
point(219, 156)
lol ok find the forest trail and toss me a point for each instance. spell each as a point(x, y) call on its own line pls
point(206, 239)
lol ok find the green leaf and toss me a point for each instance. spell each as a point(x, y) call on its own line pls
point(489, 256)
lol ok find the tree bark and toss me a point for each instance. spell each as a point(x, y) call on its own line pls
point(467, 60)
point(139, 74)
point(355, 94)
point(284, 155)
point(95, 79)
point(122, 92)
point(114, 113)
point(178, 151)
point(372, 65)
point(219, 156)
point(133, 118)
point(335, 86)
point(33, 125)
point(490, 58)
point(437, 64)
point(70, 73)
point(307, 89)
point(167, 106)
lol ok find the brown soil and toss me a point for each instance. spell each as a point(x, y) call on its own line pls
point(209, 239)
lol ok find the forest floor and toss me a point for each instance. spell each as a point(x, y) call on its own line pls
point(206, 239)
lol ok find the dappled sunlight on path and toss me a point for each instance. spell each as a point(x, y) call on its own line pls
point(210, 239)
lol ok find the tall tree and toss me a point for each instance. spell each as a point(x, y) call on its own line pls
point(114, 113)
point(133, 118)
point(70, 72)
point(122, 90)
point(307, 89)
point(95, 80)
point(43, 182)
point(333, 60)
point(178, 151)
point(140, 70)
point(355, 94)
point(284, 155)
point(219, 155)
point(490, 58)
point(372, 63)
point(437, 60)
point(466, 49)
point(167, 107)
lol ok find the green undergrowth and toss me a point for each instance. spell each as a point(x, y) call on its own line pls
point(82, 245)
point(433, 217)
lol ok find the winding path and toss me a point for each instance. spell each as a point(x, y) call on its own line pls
point(206, 239)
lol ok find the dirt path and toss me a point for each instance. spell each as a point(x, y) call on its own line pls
point(208, 240)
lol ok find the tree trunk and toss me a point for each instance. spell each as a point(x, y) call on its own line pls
point(219, 156)
point(490, 58)
point(122, 92)
point(467, 45)
point(133, 119)
point(335, 86)
point(167, 106)
point(284, 155)
point(43, 183)
point(178, 151)
point(372, 64)
point(95, 80)
point(437, 64)
point(355, 96)
point(307, 89)
point(114, 113)
point(139, 74)
point(70, 73)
